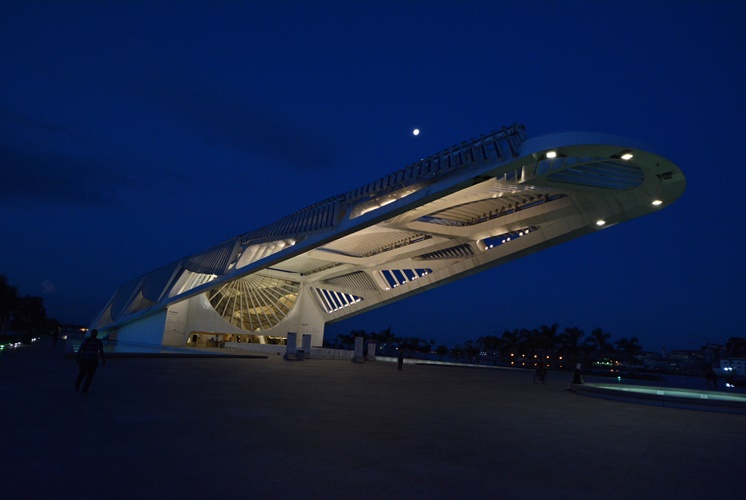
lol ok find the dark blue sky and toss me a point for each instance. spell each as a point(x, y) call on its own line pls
point(133, 135)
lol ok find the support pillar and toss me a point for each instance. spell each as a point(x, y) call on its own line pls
point(358, 358)
point(291, 352)
point(306, 345)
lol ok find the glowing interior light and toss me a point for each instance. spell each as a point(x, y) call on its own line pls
point(657, 202)
point(551, 154)
point(627, 156)
point(600, 222)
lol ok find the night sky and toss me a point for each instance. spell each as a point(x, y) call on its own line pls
point(134, 135)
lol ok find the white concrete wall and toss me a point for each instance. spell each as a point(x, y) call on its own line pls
point(202, 317)
point(175, 333)
point(311, 318)
point(172, 327)
point(147, 330)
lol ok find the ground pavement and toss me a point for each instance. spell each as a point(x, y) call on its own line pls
point(267, 428)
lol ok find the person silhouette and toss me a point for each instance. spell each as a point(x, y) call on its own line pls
point(712, 378)
point(88, 353)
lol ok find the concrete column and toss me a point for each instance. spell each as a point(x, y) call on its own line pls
point(291, 353)
point(306, 345)
point(358, 358)
point(310, 317)
point(371, 352)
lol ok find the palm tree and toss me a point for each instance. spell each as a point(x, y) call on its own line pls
point(599, 343)
point(569, 340)
point(471, 350)
point(491, 345)
point(631, 348)
point(547, 338)
point(344, 340)
point(526, 340)
point(8, 302)
point(386, 337)
point(30, 318)
point(457, 351)
point(508, 341)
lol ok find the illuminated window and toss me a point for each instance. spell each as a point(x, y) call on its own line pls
point(332, 300)
point(256, 302)
point(396, 277)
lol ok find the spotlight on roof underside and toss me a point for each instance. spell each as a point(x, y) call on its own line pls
point(625, 155)
point(657, 203)
point(600, 222)
point(554, 154)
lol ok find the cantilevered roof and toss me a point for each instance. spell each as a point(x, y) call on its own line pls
point(475, 205)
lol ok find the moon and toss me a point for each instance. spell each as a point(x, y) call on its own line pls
point(416, 131)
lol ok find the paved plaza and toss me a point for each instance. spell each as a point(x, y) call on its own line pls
point(176, 427)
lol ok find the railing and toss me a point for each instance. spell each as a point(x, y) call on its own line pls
point(325, 214)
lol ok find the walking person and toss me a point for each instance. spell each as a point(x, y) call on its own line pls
point(88, 360)
point(400, 358)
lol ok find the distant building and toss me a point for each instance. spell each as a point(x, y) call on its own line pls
point(733, 360)
point(476, 205)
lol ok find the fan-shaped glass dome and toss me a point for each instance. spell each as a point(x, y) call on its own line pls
point(256, 302)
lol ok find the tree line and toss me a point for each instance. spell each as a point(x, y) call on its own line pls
point(571, 343)
point(24, 314)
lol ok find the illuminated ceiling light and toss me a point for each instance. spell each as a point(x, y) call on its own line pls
point(657, 202)
point(551, 154)
point(600, 222)
point(624, 155)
